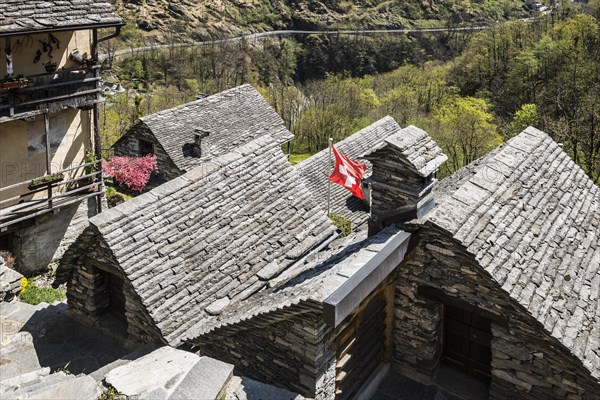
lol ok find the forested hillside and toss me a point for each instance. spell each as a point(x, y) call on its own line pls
point(469, 91)
point(209, 18)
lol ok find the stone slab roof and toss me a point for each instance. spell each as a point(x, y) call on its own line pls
point(420, 153)
point(232, 118)
point(42, 15)
point(314, 170)
point(531, 217)
point(308, 289)
point(214, 236)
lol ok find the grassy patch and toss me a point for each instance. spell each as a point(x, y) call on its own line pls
point(343, 224)
point(112, 190)
point(298, 158)
point(34, 295)
point(112, 394)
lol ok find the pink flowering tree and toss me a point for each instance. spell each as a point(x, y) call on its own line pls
point(131, 172)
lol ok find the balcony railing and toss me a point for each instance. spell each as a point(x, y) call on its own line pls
point(56, 194)
point(65, 88)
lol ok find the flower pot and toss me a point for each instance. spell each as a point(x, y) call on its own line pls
point(50, 68)
point(39, 185)
point(15, 84)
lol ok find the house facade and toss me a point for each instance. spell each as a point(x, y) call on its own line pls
point(183, 137)
point(49, 116)
point(488, 278)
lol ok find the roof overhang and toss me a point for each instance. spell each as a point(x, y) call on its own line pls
point(63, 29)
point(357, 288)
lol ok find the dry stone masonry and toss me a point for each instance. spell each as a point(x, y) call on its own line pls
point(404, 168)
point(206, 239)
point(515, 237)
point(220, 260)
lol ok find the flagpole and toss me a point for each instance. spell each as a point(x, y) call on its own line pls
point(328, 174)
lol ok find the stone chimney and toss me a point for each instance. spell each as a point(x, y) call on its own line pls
point(197, 145)
point(404, 168)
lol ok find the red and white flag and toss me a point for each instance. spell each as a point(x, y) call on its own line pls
point(348, 173)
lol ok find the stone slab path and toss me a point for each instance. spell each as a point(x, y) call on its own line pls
point(243, 388)
point(33, 337)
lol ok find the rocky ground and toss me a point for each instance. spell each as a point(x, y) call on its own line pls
point(209, 19)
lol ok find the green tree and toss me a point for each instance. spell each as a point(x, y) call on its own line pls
point(465, 131)
point(526, 116)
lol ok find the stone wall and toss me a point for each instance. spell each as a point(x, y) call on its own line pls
point(297, 353)
point(527, 363)
point(45, 240)
point(398, 194)
point(10, 282)
point(128, 146)
point(86, 270)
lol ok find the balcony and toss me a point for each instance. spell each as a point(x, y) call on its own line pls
point(43, 195)
point(65, 88)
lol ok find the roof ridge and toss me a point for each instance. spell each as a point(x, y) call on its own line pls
point(368, 128)
point(225, 92)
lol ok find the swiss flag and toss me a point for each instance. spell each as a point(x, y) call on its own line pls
point(347, 173)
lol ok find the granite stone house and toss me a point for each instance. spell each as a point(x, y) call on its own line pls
point(314, 171)
point(49, 120)
point(174, 257)
point(183, 137)
point(492, 273)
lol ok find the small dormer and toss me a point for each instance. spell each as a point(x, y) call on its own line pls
point(404, 168)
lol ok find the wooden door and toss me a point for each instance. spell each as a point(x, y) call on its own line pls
point(467, 342)
point(360, 347)
point(117, 298)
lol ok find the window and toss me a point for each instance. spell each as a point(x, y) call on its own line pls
point(145, 147)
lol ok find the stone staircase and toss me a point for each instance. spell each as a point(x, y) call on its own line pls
point(31, 368)
point(42, 385)
point(168, 373)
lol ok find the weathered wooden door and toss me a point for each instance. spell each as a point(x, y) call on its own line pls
point(361, 347)
point(117, 298)
point(467, 342)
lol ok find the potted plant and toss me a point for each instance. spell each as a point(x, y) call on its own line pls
point(15, 82)
point(51, 65)
point(45, 180)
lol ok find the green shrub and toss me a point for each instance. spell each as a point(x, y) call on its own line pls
point(35, 295)
point(298, 158)
point(343, 224)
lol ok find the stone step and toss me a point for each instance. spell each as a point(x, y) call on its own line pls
point(22, 312)
point(44, 382)
point(100, 373)
point(207, 379)
point(19, 380)
point(18, 355)
point(74, 387)
point(155, 375)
